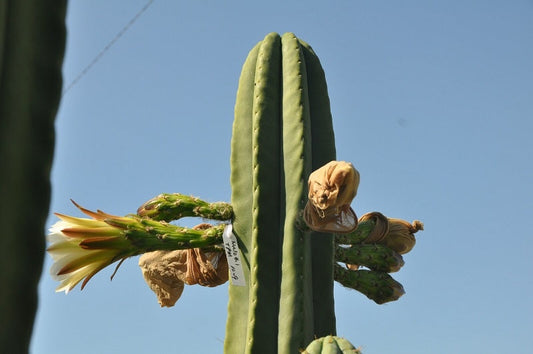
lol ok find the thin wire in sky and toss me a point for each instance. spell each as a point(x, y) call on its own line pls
point(107, 47)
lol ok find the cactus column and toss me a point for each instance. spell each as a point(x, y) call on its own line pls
point(32, 41)
point(282, 131)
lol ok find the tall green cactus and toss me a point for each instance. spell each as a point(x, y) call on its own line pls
point(32, 42)
point(281, 133)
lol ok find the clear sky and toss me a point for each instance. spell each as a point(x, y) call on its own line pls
point(432, 102)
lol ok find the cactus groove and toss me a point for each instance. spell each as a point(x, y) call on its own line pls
point(282, 131)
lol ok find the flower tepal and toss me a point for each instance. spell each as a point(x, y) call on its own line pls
point(81, 247)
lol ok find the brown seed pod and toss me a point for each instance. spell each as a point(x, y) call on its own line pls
point(331, 190)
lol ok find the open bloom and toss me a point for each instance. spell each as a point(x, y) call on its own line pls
point(81, 247)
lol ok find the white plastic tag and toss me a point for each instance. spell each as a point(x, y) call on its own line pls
point(234, 258)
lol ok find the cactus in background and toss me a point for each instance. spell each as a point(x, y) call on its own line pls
point(281, 133)
point(32, 42)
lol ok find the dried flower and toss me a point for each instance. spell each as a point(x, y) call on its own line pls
point(331, 190)
point(401, 237)
point(380, 229)
point(166, 272)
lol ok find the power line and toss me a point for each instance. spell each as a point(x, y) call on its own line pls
point(107, 47)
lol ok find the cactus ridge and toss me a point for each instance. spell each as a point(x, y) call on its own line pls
point(266, 198)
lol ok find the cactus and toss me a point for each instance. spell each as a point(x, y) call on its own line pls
point(32, 42)
point(331, 345)
point(282, 145)
point(281, 133)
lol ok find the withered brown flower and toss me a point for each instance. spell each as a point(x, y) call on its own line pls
point(166, 272)
point(401, 237)
point(331, 190)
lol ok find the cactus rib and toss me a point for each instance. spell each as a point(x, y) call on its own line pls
point(322, 151)
point(296, 305)
point(267, 196)
point(242, 186)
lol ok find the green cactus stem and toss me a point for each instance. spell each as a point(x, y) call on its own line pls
point(377, 286)
point(281, 132)
point(375, 257)
point(32, 43)
point(331, 345)
point(359, 235)
point(168, 207)
point(150, 235)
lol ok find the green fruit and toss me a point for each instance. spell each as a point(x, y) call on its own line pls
point(377, 286)
point(375, 257)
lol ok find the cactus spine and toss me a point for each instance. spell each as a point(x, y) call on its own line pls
point(32, 42)
point(282, 131)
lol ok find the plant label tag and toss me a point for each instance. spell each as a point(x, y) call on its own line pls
point(234, 258)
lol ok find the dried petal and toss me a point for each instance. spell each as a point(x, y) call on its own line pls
point(163, 271)
point(380, 229)
point(166, 272)
point(206, 268)
point(331, 190)
point(400, 237)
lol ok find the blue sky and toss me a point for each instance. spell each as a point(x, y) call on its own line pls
point(432, 102)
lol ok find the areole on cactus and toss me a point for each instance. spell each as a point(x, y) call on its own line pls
point(290, 216)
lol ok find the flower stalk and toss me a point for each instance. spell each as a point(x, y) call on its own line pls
point(81, 247)
point(168, 207)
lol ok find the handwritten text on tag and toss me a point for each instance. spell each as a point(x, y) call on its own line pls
point(234, 259)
